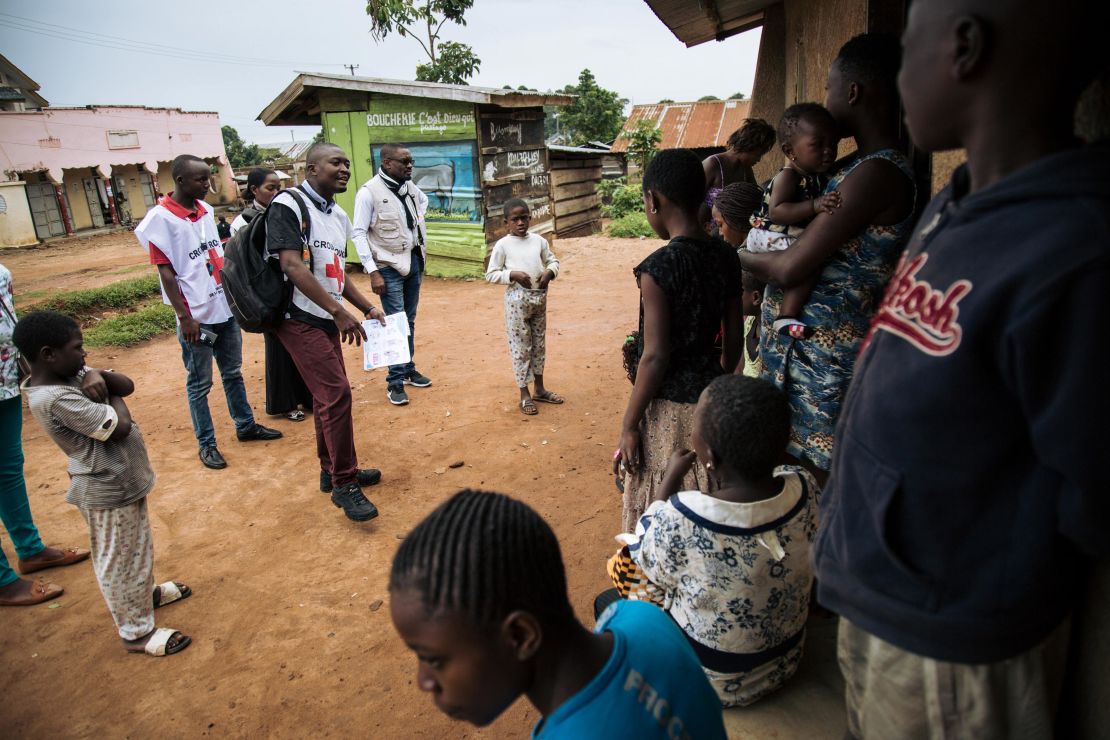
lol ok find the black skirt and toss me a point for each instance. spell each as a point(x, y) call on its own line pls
point(285, 388)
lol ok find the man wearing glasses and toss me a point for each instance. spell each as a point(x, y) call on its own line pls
point(390, 237)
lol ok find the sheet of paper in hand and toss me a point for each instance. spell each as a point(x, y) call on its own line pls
point(386, 345)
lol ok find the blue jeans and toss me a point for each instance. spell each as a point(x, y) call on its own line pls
point(15, 510)
point(402, 293)
point(228, 352)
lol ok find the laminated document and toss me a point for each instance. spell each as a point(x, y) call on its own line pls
point(386, 345)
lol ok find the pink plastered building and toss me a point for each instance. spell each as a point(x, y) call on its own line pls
point(98, 165)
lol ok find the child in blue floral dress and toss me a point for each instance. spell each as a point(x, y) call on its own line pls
point(731, 567)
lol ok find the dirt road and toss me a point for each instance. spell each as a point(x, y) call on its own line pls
point(290, 637)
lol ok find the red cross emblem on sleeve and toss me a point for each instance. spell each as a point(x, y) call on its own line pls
point(335, 271)
point(216, 263)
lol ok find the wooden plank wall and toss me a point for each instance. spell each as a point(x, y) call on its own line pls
point(514, 165)
point(574, 179)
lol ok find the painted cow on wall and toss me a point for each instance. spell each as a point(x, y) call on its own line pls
point(437, 180)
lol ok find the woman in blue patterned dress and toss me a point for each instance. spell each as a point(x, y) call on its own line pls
point(854, 249)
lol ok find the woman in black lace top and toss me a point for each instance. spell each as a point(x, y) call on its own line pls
point(689, 289)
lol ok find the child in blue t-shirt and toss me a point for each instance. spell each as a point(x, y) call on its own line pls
point(479, 593)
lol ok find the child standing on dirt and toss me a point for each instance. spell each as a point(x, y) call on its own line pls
point(808, 137)
point(478, 592)
point(741, 594)
point(524, 262)
point(83, 411)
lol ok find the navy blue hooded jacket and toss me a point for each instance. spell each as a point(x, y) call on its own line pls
point(969, 489)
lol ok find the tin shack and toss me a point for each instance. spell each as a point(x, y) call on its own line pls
point(474, 148)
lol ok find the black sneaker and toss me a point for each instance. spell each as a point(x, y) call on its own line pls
point(366, 477)
point(397, 395)
point(354, 504)
point(416, 380)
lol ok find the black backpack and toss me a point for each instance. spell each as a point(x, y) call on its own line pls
point(255, 287)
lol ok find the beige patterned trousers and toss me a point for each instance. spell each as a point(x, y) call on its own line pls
point(526, 326)
point(123, 560)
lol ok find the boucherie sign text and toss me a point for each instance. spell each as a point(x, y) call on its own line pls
point(401, 118)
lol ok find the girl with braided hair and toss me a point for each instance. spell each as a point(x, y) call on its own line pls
point(478, 592)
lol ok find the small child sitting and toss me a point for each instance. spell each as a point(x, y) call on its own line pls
point(808, 137)
point(731, 567)
point(732, 212)
point(110, 475)
point(524, 262)
point(479, 594)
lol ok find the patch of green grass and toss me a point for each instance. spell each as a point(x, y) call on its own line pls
point(124, 294)
point(127, 329)
point(630, 226)
point(131, 268)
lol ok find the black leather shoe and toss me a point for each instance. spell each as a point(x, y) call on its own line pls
point(259, 432)
point(212, 458)
point(365, 477)
point(354, 504)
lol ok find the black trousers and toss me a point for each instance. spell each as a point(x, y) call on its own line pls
point(285, 388)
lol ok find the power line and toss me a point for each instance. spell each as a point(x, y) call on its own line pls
point(65, 33)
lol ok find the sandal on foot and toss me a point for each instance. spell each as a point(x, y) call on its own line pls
point(169, 592)
point(527, 407)
point(39, 592)
point(295, 416)
point(158, 644)
point(548, 397)
point(70, 555)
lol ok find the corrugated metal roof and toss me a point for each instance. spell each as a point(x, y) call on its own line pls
point(694, 22)
point(689, 125)
point(295, 104)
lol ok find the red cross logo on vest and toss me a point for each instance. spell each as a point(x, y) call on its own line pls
point(215, 264)
point(335, 272)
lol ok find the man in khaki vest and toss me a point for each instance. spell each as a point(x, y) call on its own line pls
point(390, 237)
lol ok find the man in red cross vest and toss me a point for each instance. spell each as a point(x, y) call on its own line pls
point(318, 321)
point(180, 235)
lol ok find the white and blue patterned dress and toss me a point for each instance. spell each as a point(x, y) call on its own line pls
point(736, 577)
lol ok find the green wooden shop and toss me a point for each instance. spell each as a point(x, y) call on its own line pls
point(474, 148)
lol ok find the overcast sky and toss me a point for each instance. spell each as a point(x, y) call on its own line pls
point(235, 57)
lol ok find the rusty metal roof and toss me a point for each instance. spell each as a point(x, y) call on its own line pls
point(689, 125)
point(694, 22)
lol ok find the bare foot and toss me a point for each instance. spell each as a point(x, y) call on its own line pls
point(24, 592)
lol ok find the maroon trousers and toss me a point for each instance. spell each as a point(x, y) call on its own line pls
point(319, 359)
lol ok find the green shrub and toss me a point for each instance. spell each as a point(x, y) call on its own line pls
point(127, 329)
point(124, 294)
point(631, 225)
point(619, 199)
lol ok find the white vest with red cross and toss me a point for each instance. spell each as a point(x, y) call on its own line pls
point(327, 239)
point(196, 255)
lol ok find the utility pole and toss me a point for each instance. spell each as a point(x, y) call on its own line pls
point(351, 67)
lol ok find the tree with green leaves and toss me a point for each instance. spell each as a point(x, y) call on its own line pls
point(422, 20)
point(643, 142)
point(738, 96)
point(595, 115)
point(239, 152)
point(706, 98)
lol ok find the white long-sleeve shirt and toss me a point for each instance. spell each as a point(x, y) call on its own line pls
point(529, 254)
point(365, 218)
